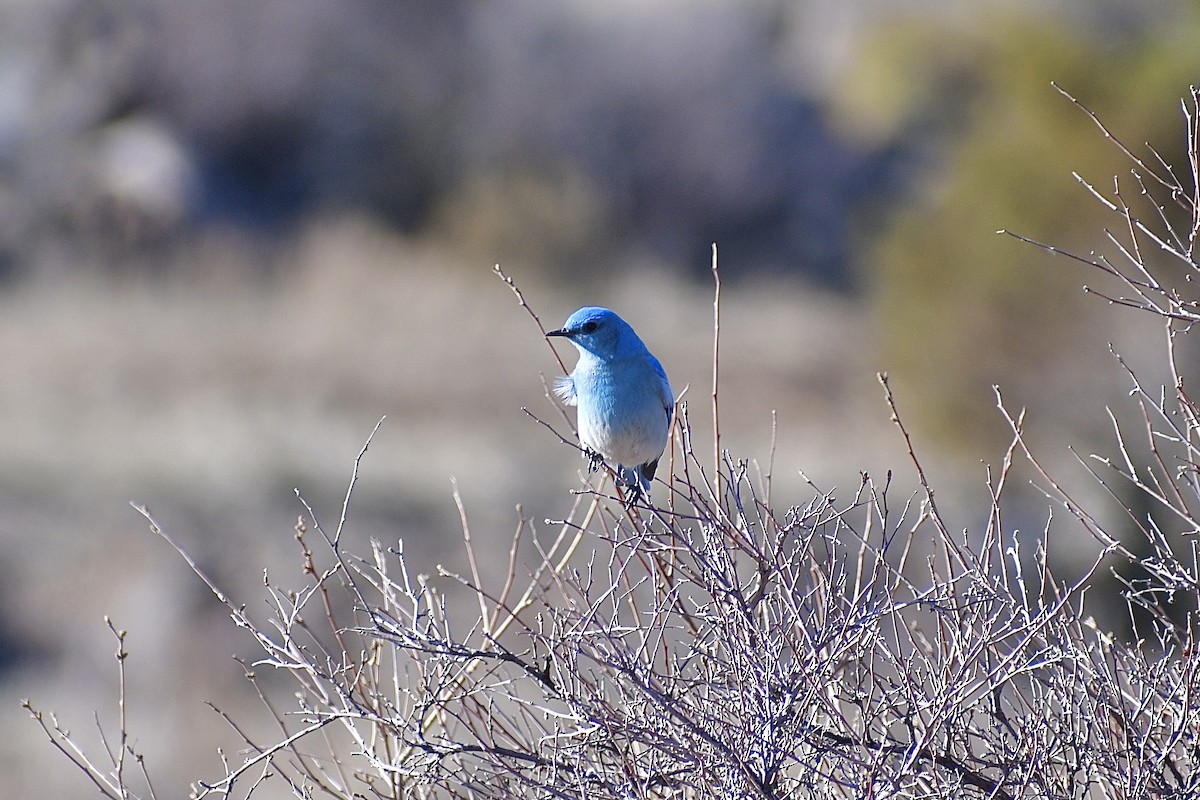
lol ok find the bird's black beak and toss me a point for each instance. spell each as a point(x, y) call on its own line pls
point(559, 332)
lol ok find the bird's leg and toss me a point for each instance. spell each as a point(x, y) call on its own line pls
point(636, 490)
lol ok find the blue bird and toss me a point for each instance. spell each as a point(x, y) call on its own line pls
point(625, 402)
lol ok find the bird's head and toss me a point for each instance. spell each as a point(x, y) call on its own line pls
point(600, 332)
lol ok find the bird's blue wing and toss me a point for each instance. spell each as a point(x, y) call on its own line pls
point(564, 387)
point(668, 398)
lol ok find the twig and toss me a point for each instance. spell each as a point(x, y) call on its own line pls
point(716, 349)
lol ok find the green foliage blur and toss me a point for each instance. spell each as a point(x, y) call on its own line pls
point(958, 308)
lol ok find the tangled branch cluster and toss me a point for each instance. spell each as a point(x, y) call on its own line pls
point(712, 646)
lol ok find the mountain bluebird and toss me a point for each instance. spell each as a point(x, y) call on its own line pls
point(625, 403)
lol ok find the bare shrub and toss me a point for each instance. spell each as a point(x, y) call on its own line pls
point(710, 645)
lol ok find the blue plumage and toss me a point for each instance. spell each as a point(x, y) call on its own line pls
point(624, 399)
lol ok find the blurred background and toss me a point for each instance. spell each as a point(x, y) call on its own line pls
point(234, 235)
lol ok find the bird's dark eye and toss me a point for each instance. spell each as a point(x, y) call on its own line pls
point(589, 327)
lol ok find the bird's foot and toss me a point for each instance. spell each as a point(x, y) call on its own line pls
point(634, 495)
point(595, 460)
point(635, 491)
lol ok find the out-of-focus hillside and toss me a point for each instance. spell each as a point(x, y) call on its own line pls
point(647, 129)
point(233, 236)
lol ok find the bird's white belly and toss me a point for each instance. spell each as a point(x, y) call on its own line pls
point(628, 429)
